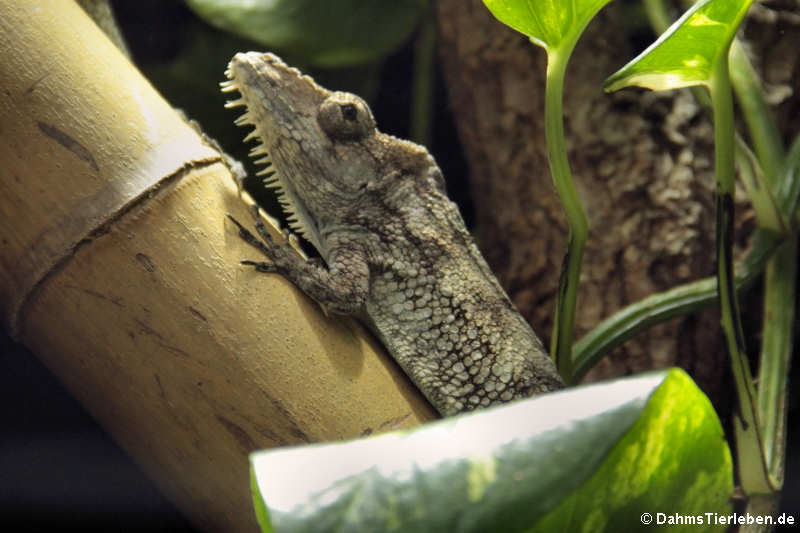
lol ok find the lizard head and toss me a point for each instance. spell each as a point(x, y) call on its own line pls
point(321, 148)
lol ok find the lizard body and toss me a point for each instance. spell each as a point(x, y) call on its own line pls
point(396, 250)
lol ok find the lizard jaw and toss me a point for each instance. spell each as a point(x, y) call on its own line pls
point(297, 215)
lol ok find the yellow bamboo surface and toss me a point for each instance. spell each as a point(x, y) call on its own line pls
point(119, 270)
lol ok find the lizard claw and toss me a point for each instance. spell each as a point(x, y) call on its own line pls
point(260, 266)
point(242, 230)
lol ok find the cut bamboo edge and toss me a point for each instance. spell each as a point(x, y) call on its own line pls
point(120, 272)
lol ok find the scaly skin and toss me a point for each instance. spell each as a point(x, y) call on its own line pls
point(397, 252)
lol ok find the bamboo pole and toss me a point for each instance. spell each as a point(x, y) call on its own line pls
point(118, 269)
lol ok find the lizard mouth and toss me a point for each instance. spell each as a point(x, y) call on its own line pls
point(297, 216)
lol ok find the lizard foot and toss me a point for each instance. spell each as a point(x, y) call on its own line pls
point(278, 253)
point(265, 247)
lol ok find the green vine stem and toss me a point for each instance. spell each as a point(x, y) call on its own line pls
point(779, 305)
point(752, 466)
point(757, 114)
point(759, 190)
point(722, 103)
point(778, 330)
point(556, 26)
point(561, 347)
point(423, 80)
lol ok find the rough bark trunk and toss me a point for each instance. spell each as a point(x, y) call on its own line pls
point(643, 165)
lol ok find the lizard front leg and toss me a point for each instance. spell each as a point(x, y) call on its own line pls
point(341, 287)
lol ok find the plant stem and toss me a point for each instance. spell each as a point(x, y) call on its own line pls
point(423, 81)
point(779, 310)
point(778, 331)
point(757, 114)
point(752, 468)
point(759, 189)
point(561, 346)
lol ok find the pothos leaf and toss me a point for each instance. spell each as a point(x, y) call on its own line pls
point(686, 54)
point(593, 457)
point(550, 24)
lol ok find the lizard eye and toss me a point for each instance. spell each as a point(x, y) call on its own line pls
point(349, 112)
point(345, 117)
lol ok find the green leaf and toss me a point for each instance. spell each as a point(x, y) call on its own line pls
point(319, 32)
point(687, 52)
point(674, 460)
point(549, 23)
point(651, 443)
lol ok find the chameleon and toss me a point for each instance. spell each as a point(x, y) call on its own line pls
point(394, 250)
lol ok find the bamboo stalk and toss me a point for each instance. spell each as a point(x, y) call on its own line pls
point(118, 270)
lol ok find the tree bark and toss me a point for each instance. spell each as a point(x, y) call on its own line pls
point(118, 270)
point(643, 166)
